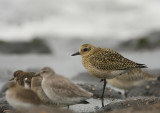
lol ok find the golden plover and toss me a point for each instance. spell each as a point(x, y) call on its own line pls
point(105, 63)
point(21, 98)
point(61, 90)
point(135, 77)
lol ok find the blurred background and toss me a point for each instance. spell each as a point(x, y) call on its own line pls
point(38, 33)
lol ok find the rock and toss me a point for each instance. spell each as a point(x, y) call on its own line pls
point(151, 88)
point(4, 107)
point(3, 100)
point(97, 91)
point(150, 41)
point(130, 102)
point(36, 45)
point(155, 108)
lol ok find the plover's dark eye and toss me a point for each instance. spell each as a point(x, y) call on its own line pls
point(85, 49)
point(44, 71)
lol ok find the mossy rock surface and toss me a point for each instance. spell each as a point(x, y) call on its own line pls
point(130, 103)
point(151, 88)
point(147, 42)
point(36, 45)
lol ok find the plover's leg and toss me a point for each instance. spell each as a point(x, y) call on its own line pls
point(104, 86)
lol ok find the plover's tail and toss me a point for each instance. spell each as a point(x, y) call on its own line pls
point(141, 66)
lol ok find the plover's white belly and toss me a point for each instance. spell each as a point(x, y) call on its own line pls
point(108, 74)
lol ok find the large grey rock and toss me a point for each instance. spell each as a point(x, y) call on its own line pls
point(130, 102)
point(151, 88)
point(148, 41)
point(34, 46)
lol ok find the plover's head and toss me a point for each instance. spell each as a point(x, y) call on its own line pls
point(45, 72)
point(84, 50)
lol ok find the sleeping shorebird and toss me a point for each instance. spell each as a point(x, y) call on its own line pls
point(61, 90)
point(21, 98)
point(23, 78)
point(18, 77)
point(133, 78)
point(105, 63)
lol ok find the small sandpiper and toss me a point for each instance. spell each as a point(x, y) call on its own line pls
point(21, 98)
point(105, 63)
point(37, 88)
point(61, 90)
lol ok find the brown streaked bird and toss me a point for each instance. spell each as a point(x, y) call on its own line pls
point(37, 88)
point(105, 63)
point(18, 77)
point(21, 98)
point(135, 77)
point(22, 77)
point(61, 90)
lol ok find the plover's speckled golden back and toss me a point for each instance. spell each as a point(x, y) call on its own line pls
point(105, 63)
point(20, 97)
point(61, 90)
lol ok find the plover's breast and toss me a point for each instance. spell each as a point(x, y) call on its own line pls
point(99, 73)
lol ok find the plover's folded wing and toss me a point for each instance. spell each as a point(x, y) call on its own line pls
point(111, 60)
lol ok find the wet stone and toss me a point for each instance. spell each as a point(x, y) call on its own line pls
point(4, 107)
point(130, 102)
point(4, 104)
point(151, 88)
